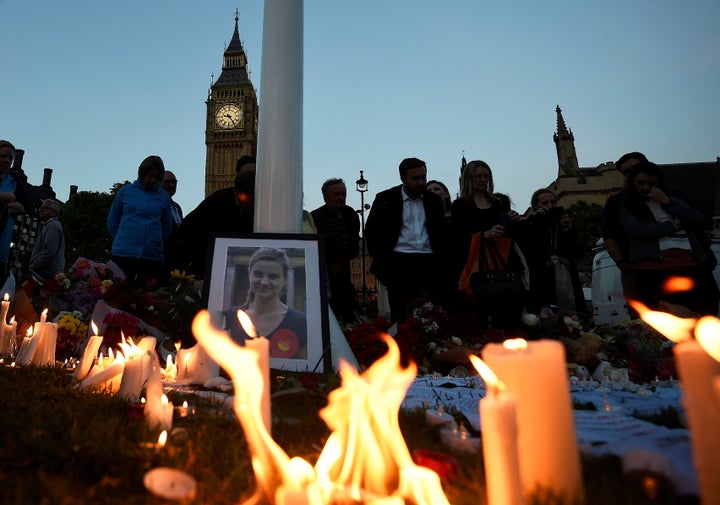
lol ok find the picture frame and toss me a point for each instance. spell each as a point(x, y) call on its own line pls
point(288, 270)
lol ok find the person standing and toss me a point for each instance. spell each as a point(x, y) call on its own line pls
point(48, 255)
point(13, 201)
point(339, 225)
point(614, 235)
point(169, 184)
point(406, 237)
point(173, 258)
point(140, 222)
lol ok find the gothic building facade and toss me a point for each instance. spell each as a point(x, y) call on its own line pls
point(231, 123)
point(698, 180)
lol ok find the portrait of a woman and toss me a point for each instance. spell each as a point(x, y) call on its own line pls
point(283, 326)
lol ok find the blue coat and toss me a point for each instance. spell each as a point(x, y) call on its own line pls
point(140, 221)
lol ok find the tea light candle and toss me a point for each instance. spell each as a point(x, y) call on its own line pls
point(170, 483)
point(547, 443)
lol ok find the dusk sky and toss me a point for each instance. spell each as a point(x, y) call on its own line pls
point(90, 88)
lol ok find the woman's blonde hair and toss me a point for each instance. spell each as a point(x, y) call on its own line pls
point(466, 179)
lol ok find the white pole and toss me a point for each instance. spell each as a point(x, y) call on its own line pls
point(278, 190)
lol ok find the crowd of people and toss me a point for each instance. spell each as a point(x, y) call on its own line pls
point(474, 255)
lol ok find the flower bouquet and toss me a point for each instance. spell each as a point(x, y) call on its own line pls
point(72, 332)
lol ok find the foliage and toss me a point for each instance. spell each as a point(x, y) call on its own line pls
point(84, 218)
point(84, 222)
point(587, 220)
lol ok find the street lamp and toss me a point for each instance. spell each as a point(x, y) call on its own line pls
point(361, 186)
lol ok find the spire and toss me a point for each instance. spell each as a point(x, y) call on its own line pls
point(562, 131)
point(234, 69)
point(565, 147)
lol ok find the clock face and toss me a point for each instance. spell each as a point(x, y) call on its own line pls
point(229, 116)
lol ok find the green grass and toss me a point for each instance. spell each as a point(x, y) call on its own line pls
point(62, 446)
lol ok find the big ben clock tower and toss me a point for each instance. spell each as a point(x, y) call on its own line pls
point(231, 122)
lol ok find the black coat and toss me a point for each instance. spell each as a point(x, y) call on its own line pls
point(384, 222)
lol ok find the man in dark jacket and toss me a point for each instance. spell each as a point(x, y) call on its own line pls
point(406, 236)
point(339, 225)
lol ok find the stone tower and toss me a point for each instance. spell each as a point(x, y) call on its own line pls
point(231, 128)
point(565, 146)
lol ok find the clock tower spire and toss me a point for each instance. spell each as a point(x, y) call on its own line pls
point(231, 119)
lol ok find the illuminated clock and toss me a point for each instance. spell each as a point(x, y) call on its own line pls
point(229, 116)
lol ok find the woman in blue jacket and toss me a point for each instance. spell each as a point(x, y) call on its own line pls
point(140, 221)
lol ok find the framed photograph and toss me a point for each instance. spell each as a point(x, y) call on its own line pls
point(279, 281)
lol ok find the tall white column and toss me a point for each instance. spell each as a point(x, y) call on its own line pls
point(278, 187)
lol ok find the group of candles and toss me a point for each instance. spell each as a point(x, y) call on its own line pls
point(528, 432)
point(38, 347)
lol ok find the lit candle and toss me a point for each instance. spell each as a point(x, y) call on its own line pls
point(261, 347)
point(134, 375)
point(28, 350)
point(158, 410)
point(4, 307)
point(195, 365)
point(45, 353)
point(106, 378)
point(170, 484)
point(535, 374)
point(91, 349)
point(498, 422)
point(697, 369)
point(21, 359)
point(12, 335)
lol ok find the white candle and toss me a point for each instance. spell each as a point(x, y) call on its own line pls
point(498, 423)
point(134, 376)
point(156, 403)
point(11, 336)
point(535, 374)
point(170, 484)
point(45, 353)
point(261, 347)
point(4, 307)
point(196, 366)
point(89, 354)
point(106, 378)
point(697, 370)
point(20, 358)
point(33, 340)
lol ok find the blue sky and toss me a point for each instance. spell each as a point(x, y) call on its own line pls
point(89, 88)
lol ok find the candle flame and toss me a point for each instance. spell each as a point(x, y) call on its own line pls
point(177, 345)
point(515, 344)
point(365, 454)
point(94, 327)
point(29, 332)
point(677, 284)
point(246, 323)
point(185, 404)
point(164, 399)
point(707, 333)
point(675, 328)
point(12, 320)
point(6, 298)
point(162, 439)
point(490, 378)
point(44, 312)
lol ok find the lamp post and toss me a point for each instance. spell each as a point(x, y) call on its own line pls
point(361, 186)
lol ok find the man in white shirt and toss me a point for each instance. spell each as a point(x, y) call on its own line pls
point(406, 238)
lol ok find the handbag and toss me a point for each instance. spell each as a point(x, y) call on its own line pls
point(500, 282)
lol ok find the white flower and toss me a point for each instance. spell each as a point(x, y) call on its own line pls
point(456, 340)
point(529, 319)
